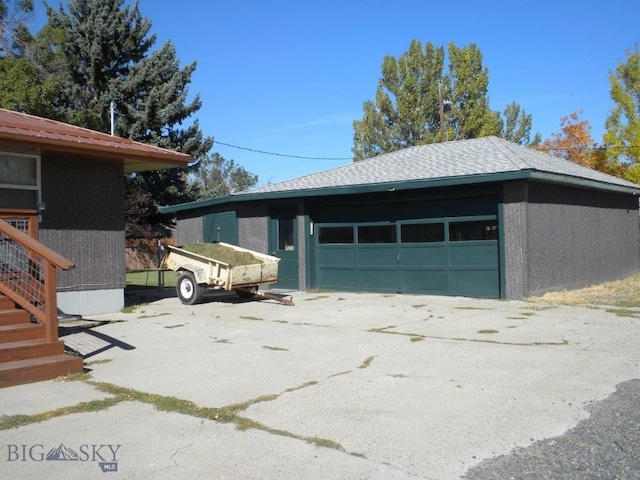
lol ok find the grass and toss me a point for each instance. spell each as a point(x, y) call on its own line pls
point(620, 293)
point(131, 308)
point(149, 278)
point(366, 362)
point(118, 394)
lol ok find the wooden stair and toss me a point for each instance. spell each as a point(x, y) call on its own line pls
point(25, 354)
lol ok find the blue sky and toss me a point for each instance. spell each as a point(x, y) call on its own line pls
point(290, 76)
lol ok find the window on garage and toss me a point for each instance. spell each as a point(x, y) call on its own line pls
point(475, 230)
point(335, 235)
point(285, 234)
point(422, 232)
point(377, 234)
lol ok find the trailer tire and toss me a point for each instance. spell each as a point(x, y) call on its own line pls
point(247, 292)
point(189, 292)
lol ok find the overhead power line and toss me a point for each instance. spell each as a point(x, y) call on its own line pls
point(537, 147)
point(301, 157)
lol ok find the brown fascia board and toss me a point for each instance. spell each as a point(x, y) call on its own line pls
point(143, 158)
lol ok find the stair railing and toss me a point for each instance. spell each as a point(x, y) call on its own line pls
point(28, 273)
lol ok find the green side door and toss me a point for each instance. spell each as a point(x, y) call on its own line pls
point(220, 227)
point(283, 243)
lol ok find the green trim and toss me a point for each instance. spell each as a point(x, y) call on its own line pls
point(534, 175)
point(554, 178)
point(502, 288)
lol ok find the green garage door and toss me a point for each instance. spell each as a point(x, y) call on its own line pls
point(447, 256)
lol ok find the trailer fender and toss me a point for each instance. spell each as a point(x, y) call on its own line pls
point(198, 273)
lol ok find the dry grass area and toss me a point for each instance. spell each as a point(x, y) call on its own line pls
point(621, 293)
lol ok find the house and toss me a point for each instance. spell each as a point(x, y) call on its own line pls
point(62, 235)
point(483, 217)
point(73, 179)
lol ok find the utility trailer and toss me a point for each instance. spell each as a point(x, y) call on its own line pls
point(198, 272)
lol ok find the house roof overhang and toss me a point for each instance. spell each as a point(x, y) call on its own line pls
point(30, 133)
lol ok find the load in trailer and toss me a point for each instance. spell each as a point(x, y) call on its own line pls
point(198, 271)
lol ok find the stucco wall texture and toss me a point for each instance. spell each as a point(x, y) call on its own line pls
point(562, 238)
point(84, 221)
point(189, 230)
point(579, 237)
point(515, 239)
point(253, 228)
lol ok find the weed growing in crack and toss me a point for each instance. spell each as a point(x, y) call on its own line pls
point(95, 362)
point(367, 362)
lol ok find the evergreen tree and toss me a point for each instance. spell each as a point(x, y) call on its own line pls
point(13, 15)
point(107, 57)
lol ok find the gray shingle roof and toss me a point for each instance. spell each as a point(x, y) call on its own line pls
point(480, 157)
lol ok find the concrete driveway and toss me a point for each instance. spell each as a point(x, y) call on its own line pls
point(341, 385)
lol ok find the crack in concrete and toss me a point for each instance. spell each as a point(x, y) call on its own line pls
point(415, 336)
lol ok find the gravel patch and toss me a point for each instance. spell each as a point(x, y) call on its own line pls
point(604, 446)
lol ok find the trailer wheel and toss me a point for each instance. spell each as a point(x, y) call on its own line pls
point(247, 292)
point(189, 292)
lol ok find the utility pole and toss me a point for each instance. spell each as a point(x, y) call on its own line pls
point(441, 105)
point(112, 109)
point(445, 107)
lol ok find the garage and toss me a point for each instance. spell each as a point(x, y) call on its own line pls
point(439, 247)
point(482, 218)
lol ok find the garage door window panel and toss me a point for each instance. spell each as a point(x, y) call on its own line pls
point(422, 233)
point(335, 235)
point(473, 231)
point(377, 234)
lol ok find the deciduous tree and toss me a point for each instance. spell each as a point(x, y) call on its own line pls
point(217, 177)
point(622, 137)
point(516, 126)
point(574, 143)
point(419, 102)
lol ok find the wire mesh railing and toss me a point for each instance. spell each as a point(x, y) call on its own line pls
point(22, 271)
point(28, 271)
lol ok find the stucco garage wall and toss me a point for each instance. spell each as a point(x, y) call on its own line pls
point(84, 222)
point(578, 237)
point(253, 227)
point(514, 214)
point(189, 230)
